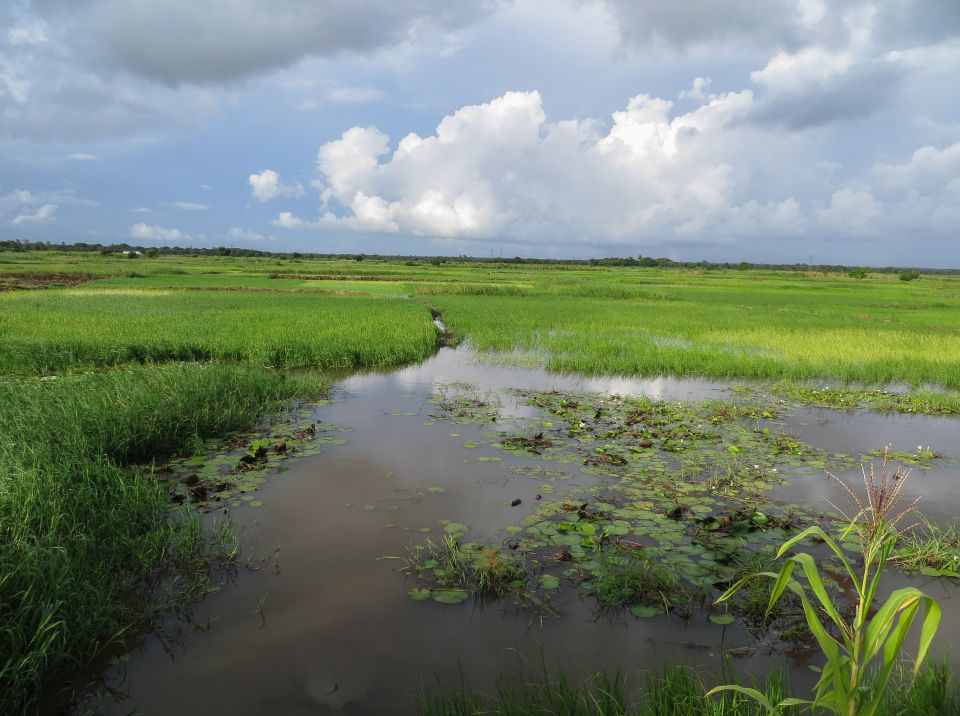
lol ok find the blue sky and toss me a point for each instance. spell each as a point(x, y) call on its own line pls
point(715, 129)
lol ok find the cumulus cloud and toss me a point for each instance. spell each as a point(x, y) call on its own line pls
point(26, 208)
point(697, 90)
point(143, 231)
point(43, 215)
point(817, 86)
point(266, 186)
point(502, 171)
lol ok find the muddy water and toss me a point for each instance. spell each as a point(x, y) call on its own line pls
point(318, 622)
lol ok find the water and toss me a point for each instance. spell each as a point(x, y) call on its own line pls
point(316, 623)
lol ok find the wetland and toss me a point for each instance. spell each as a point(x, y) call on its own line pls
point(574, 480)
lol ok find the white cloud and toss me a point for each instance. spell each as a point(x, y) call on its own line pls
point(851, 212)
point(28, 34)
point(23, 207)
point(288, 220)
point(188, 205)
point(238, 234)
point(929, 169)
point(142, 210)
point(207, 187)
point(501, 171)
point(266, 186)
point(81, 157)
point(697, 90)
point(159, 233)
point(43, 215)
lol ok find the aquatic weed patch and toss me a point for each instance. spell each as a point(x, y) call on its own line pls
point(450, 572)
point(645, 503)
point(859, 399)
point(227, 474)
point(462, 403)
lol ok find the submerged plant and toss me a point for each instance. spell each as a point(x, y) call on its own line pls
point(861, 661)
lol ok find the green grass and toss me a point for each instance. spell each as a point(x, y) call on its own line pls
point(53, 330)
point(872, 333)
point(627, 577)
point(931, 549)
point(83, 531)
point(674, 691)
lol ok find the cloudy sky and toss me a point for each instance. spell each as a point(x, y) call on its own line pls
point(714, 129)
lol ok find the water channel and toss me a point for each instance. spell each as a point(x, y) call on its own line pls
point(317, 622)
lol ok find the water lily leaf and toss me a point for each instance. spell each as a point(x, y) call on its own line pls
point(435, 490)
point(418, 595)
point(450, 596)
point(722, 619)
point(456, 528)
point(643, 611)
point(548, 581)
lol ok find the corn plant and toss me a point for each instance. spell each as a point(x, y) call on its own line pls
point(861, 661)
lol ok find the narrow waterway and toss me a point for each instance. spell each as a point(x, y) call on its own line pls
point(318, 620)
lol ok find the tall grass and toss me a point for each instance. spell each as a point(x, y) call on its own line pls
point(676, 691)
point(82, 530)
point(52, 330)
point(717, 329)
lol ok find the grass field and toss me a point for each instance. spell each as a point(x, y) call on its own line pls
point(95, 327)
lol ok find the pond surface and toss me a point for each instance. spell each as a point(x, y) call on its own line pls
point(316, 621)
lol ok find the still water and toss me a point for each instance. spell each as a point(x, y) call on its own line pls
point(318, 621)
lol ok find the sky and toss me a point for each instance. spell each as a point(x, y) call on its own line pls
point(778, 131)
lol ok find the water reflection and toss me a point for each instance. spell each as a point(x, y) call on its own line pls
point(337, 632)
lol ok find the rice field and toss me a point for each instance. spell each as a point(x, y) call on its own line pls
point(725, 327)
point(63, 329)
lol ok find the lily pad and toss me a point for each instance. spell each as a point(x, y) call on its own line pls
point(549, 581)
point(450, 596)
point(418, 595)
point(644, 611)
